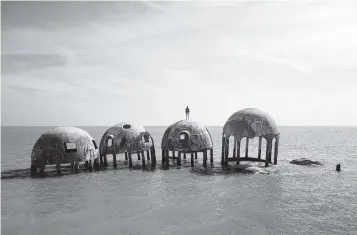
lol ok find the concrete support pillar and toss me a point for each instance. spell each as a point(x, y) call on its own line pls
point(246, 147)
point(205, 158)
point(260, 148)
point(238, 152)
point(276, 151)
point(130, 160)
point(114, 159)
point(179, 158)
point(234, 149)
point(223, 149)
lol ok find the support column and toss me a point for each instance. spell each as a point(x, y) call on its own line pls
point(227, 152)
point(270, 149)
point(223, 149)
point(76, 166)
point(234, 148)
point(267, 153)
point(101, 159)
point(90, 165)
point(42, 169)
point(276, 150)
point(96, 164)
point(126, 156)
point(105, 159)
point(153, 156)
point(211, 153)
point(58, 167)
point(184, 155)
point(192, 162)
point(114, 155)
point(173, 154)
point(33, 169)
point(114, 159)
point(179, 158)
point(238, 152)
point(163, 159)
point(130, 160)
point(260, 148)
point(205, 158)
point(139, 156)
point(246, 146)
point(167, 158)
point(143, 158)
point(195, 155)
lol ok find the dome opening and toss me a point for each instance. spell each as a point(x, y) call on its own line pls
point(126, 126)
point(70, 147)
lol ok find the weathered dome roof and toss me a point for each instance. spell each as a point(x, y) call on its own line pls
point(126, 137)
point(54, 143)
point(250, 122)
point(126, 128)
point(66, 133)
point(200, 138)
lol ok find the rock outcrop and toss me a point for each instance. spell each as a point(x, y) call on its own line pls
point(305, 162)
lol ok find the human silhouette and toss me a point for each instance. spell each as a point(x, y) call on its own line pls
point(187, 110)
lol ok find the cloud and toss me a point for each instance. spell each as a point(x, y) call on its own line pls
point(138, 60)
point(20, 88)
point(14, 63)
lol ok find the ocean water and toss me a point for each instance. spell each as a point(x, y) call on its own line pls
point(291, 199)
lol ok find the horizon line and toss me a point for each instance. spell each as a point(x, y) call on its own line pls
point(168, 125)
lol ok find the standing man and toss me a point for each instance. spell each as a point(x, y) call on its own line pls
point(187, 113)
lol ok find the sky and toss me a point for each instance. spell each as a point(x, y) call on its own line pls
point(101, 63)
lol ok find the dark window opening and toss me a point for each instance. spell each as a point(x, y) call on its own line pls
point(70, 147)
point(127, 126)
point(146, 139)
point(184, 139)
point(95, 144)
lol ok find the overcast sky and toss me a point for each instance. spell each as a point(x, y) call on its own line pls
point(100, 63)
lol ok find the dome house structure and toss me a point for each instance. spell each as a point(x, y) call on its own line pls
point(64, 145)
point(128, 139)
point(250, 123)
point(184, 137)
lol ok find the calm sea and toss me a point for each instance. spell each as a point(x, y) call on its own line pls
point(290, 200)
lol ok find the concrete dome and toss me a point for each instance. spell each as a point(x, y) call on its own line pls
point(124, 137)
point(250, 123)
point(70, 144)
point(186, 135)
